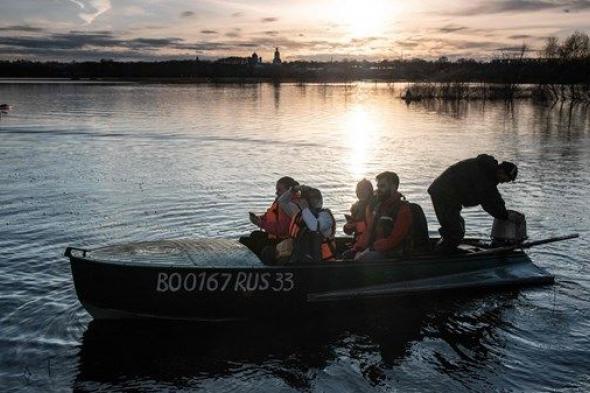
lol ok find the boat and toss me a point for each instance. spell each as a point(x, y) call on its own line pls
point(222, 279)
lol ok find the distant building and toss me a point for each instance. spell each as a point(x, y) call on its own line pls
point(277, 58)
point(236, 60)
point(254, 59)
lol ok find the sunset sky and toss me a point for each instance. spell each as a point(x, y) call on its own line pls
point(303, 29)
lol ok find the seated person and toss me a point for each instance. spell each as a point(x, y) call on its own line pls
point(388, 222)
point(312, 229)
point(274, 224)
point(356, 223)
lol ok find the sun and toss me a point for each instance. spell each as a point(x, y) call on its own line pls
point(365, 18)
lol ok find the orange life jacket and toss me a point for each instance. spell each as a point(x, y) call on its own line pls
point(359, 219)
point(273, 216)
point(328, 245)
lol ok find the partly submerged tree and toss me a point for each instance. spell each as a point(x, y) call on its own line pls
point(575, 46)
point(551, 48)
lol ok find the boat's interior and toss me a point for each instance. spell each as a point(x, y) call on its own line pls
point(468, 246)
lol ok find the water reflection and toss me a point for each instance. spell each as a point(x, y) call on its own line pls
point(108, 164)
point(361, 129)
point(373, 339)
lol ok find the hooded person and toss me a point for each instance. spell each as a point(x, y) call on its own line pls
point(468, 183)
point(274, 223)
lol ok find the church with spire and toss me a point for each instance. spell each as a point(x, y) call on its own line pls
point(277, 58)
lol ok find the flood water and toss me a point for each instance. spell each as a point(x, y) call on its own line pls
point(94, 165)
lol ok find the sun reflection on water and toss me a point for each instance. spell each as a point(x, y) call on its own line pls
point(361, 129)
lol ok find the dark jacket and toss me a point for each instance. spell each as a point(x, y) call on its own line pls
point(472, 182)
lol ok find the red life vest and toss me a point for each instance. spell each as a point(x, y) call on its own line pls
point(273, 216)
point(328, 245)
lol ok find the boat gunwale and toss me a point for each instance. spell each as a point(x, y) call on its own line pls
point(339, 263)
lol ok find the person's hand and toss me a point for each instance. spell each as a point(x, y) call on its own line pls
point(515, 217)
point(254, 219)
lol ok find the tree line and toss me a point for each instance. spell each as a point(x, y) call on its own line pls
point(561, 62)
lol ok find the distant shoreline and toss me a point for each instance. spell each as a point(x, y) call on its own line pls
point(408, 90)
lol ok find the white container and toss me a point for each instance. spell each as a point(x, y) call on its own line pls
point(511, 231)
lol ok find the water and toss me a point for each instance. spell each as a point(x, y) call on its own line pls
point(92, 165)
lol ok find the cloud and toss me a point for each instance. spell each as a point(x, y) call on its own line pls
point(271, 32)
point(364, 41)
point(237, 14)
point(408, 44)
point(87, 40)
point(22, 28)
point(269, 19)
point(450, 28)
point(497, 7)
point(519, 48)
point(209, 32)
point(232, 34)
point(520, 36)
point(92, 8)
point(187, 14)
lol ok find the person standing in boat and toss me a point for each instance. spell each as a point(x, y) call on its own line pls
point(274, 224)
point(468, 183)
point(356, 223)
point(388, 222)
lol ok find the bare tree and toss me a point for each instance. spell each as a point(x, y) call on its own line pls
point(576, 46)
point(551, 48)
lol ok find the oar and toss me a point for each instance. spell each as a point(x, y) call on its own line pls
point(524, 245)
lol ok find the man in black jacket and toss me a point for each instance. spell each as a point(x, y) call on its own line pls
point(468, 183)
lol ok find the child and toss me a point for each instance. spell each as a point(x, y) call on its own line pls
point(356, 220)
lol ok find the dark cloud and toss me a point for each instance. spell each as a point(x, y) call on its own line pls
point(514, 49)
point(271, 32)
point(520, 36)
point(496, 7)
point(232, 34)
point(87, 41)
point(451, 28)
point(22, 28)
point(150, 43)
point(89, 55)
point(465, 44)
point(209, 32)
point(93, 32)
point(237, 14)
point(408, 44)
point(204, 46)
point(61, 41)
point(187, 14)
point(269, 19)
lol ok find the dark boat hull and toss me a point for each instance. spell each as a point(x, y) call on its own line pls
point(116, 291)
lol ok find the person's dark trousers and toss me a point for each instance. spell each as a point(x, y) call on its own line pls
point(257, 241)
point(452, 225)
